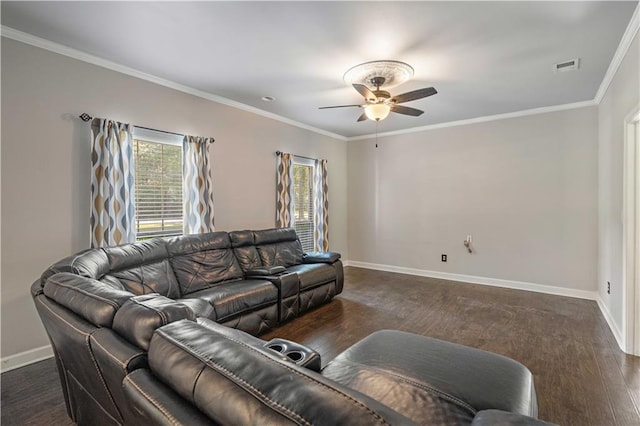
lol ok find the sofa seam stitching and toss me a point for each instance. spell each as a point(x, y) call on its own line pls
point(236, 377)
point(371, 412)
point(86, 293)
point(110, 354)
point(155, 403)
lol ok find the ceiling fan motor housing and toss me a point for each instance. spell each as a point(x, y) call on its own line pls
point(382, 95)
point(377, 82)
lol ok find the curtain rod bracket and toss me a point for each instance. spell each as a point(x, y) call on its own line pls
point(85, 117)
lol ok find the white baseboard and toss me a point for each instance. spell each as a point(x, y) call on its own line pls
point(495, 282)
point(25, 358)
point(612, 324)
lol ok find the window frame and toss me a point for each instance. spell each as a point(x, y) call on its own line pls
point(297, 161)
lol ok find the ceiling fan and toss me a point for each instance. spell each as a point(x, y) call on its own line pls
point(378, 103)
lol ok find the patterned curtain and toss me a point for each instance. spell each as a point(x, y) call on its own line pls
point(320, 206)
point(284, 190)
point(197, 185)
point(112, 184)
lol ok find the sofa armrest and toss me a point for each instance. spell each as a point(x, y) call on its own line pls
point(265, 271)
point(505, 418)
point(320, 257)
point(139, 317)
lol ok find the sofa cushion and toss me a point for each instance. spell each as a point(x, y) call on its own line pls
point(278, 247)
point(93, 300)
point(460, 374)
point(285, 254)
point(146, 279)
point(243, 243)
point(313, 274)
point(417, 400)
point(143, 268)
point(234, 298)
point(91, 263)
point(201, 261)
point(140, 316)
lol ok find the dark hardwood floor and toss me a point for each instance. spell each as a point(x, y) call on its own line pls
point(581, 376)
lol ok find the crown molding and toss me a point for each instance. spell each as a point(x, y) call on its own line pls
point(484, 119)
point(621, 52)
point(51, 46)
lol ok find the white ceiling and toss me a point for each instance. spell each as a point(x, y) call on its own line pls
point(484, 58)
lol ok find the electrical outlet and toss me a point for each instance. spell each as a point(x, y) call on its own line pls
point(608, 287)
point(443, 257)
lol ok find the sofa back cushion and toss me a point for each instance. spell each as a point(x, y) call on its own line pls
point(202, 261)
point(278, 247)
point(233, 382)
point(95, 301)
point(244, 247)
point(143, 268)
point(91, 263)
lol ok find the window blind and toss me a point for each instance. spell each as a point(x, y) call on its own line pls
point(303, 204)
point(158, 189)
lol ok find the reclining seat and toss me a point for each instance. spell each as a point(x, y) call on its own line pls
point(206, 269)
point(321, 274)
point(244, 248)
point(80, 298)
point(205, 375)
point(77, 312)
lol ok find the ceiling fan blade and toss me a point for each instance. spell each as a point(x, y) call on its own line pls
point(416, 94)
point(362, 117)
point(406, 110)
point(340, 106)
point(364, 91)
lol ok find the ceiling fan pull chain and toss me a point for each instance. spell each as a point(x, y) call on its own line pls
point(377, 124)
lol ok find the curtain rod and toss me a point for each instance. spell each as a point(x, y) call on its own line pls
point(86, 117)
point(299, 156)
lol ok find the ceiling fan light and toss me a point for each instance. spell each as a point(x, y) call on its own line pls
point(377, 112)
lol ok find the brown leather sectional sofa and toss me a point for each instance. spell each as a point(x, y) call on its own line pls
point(162, 332)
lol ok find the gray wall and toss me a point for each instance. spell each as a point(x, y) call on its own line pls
point(622, 96)
point(524, 188)
point(46, 165)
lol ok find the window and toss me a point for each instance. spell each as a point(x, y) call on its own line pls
point(158, 184)
point(303, 203)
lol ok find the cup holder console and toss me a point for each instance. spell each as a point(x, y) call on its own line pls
point(296, 353)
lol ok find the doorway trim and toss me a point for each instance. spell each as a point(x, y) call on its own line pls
point(631, 233)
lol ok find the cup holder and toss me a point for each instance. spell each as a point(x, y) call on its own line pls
point(277, 348)
point(295, 352)
point(295, 356)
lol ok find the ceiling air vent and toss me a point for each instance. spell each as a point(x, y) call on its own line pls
point(570, 65)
